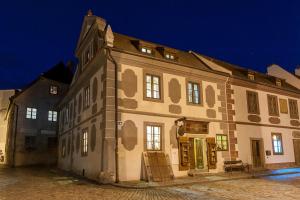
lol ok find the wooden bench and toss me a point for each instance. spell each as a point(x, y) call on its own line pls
point(235, 165)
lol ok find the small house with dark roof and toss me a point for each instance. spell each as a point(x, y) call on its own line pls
point(32, 119)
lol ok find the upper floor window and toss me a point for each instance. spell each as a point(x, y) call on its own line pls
point(170, 56)
point(278, 82)
point(31, 113)
point(84, 143)
point(252, 102)
point(283, 106)
point(193, 93)
point(152, 86)
point(53, 90)
point(153, 137)
point(222, 142)
point(146, 50)
point(293, 109)
point(277, 144)
point(52, 116)
point(86, 99)
point(273, 105)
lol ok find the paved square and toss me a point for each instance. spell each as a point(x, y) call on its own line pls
point(37, 183)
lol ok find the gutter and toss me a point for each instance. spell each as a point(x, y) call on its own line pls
point(116, 117)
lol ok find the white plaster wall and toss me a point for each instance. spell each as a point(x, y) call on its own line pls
point(245, 132)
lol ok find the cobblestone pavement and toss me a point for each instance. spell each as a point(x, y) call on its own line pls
point(37, 183)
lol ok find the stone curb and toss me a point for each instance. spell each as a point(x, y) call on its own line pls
point(121, 185)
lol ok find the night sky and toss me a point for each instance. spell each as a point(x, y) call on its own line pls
point(37, 34)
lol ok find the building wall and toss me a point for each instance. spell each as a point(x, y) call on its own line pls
point(36, 96)
point(135, 111)
point(262, 126)
point(277, 71)
point(4, 103)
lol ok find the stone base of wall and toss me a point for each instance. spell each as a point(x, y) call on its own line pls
point(280, 165)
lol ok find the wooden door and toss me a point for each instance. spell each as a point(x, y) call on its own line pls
point(256, 153)
point(297, 151)
point(184, 156)
point(211, 153)
point(191, 153)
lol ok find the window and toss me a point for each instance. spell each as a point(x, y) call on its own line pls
point(146, 50)
point(222, 142)
point(86, 100)
point(153, 138)
point(30, 142)
point(278, 82)
point(84, 143)
point(283, 106)
point(293, 109)
point(252, 102)
point(52, 142)
point(52, 116)
point(251, 76)
point(53, 90)
point(277, 144)
point(193, 93)
point(169, 56)
point(152, 86)
point(31, 113)
point(273, 105)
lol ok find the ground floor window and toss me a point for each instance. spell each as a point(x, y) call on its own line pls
point(277, 144)
point(30, 142)
point(84, 143)
point(222, 142)
point(153, 137)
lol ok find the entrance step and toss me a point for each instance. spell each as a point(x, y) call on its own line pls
point(194, 172)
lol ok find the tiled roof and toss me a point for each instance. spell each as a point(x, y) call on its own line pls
point(241, 72)
point(126, 43)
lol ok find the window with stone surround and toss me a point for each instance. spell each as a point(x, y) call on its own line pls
point(222, 142)
point(193, 93)
point(84, 143)
point(152, 86)
point(293, 105)
point(277, 144)
point(153, 137)
point(252, 102)
point(86, 99)
point(273, 105)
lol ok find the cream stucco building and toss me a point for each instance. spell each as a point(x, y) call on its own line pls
point(136, 109)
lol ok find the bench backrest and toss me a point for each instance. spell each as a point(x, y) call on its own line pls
point(233, 162)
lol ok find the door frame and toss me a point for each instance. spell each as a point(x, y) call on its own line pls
point(297, 164)
point(262, 150)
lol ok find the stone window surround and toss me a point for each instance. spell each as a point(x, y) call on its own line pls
point(276, 111)
point(162, 130)
point(161, 91)
point(280, 136)
point(199, 82)
point(292, 114)
point(86, 97)
point(257, 101)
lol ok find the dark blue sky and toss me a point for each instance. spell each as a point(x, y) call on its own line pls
point(37, 34)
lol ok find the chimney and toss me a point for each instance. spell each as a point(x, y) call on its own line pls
point(297, 70)
point(90, 12)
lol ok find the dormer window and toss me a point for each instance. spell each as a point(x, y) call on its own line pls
point(169, 56)
point(146, 50)
point(278, 82)
point(251, 76)
point(53, 90)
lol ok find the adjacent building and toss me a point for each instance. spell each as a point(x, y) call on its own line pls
point(4, 103)
point(139, 110)
point(32, 119)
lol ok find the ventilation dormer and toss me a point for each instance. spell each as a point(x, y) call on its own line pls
point(278, 82)
point(251, 75)
point(168, 53)
point(144, 47)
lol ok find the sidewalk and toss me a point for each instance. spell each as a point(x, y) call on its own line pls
point(207, 178)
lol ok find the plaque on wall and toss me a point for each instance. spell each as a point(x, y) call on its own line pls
point(196, 127)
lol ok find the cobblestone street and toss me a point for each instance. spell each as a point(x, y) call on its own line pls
point(36, 183)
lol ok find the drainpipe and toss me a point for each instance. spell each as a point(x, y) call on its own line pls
point(116, 116)
point(15, 134)
point(229, 148)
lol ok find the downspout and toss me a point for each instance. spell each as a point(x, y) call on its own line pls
point(229, 148)
point(15, 134)
point(116, 117)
